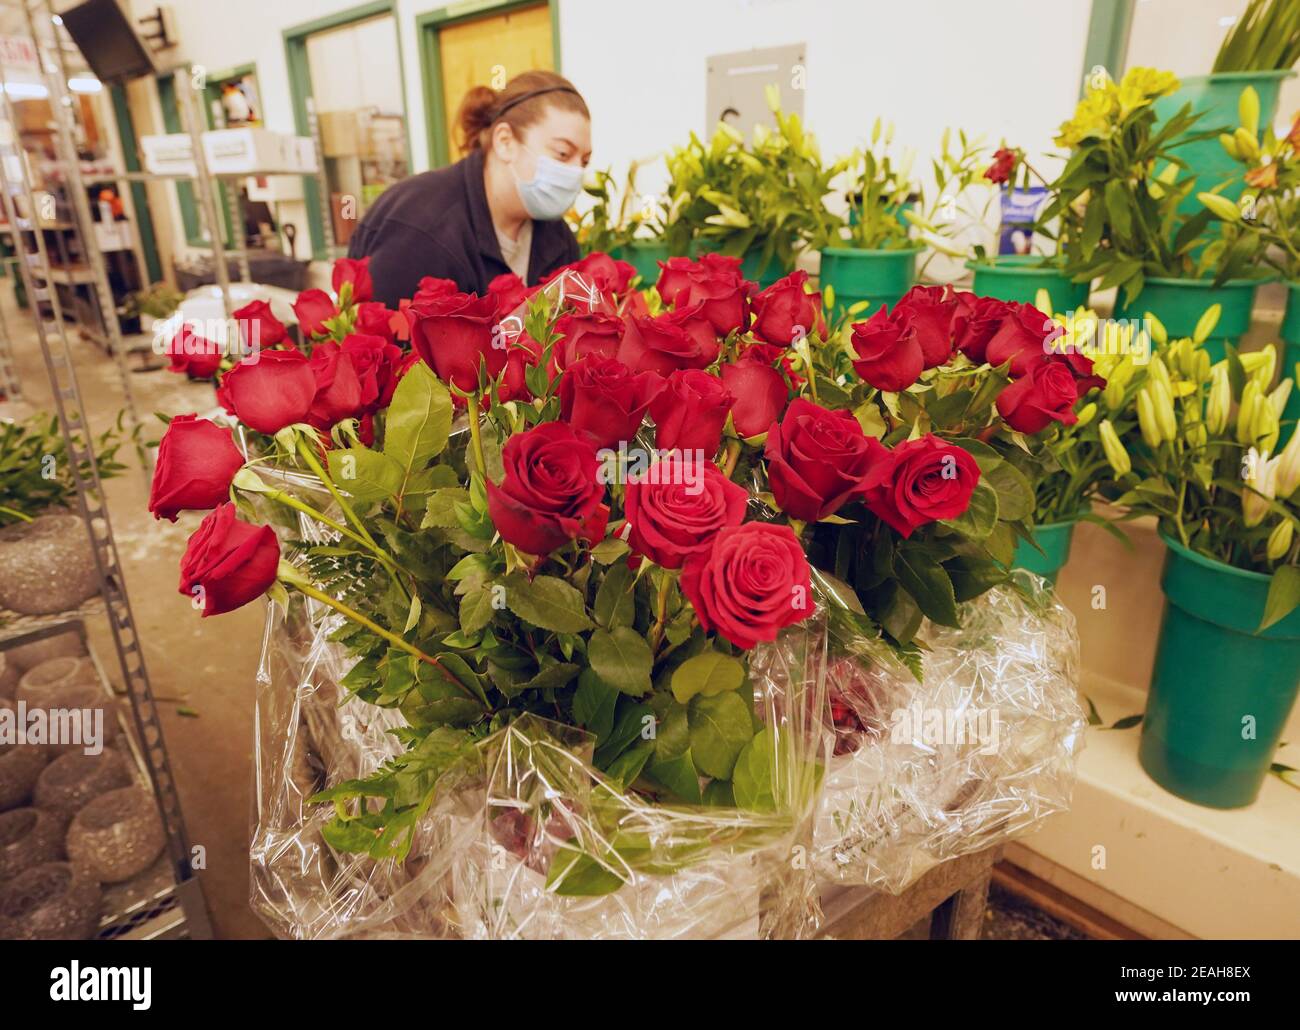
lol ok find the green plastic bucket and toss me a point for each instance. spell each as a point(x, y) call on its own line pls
point(1215, 98)
point(644, 256)
point(749, 264)
point(878, 276)
point(1019, 277)
point(1290, 338)
point(1055, 539)
point(1220, 692)
point(1179, 304)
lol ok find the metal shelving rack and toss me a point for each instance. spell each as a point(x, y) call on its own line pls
point(178, 910)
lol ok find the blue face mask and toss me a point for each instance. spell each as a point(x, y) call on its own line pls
point(552, 190)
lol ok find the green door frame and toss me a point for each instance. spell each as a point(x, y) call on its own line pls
point(1108, 31)
point(139, 197)
point(295, 52)
point(185, 198)
point(211, 92)
point(427, 27)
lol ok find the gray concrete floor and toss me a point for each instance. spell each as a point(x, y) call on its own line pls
point(207, 667)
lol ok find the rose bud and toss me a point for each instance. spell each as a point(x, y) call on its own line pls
point(665, 343)
point(818, 460)
point(674, 280)
point(231, 561)
point(760, 393)
point(888, 354)
point(509, 291)
point(338, 390)
point(195, 355)
point(1046, 394)
point(549, 493)
point(691, 412)
point(603, 400)
point(258, 327)
point(676, 507)
point(454, 333)
point(580, 335)
point(521, 353)
point(313, 309)
point(270, 390)
point(197, 459)
point(356, 272)
point(1024, 338)
point(925, 480)
point(785, 311)
point(751, 584)
point(975, 322)
point(721, 293)
point(929, 310)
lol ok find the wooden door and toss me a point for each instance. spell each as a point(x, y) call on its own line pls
point(489, 51)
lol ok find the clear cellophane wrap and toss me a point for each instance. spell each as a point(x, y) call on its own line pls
point(978, 752)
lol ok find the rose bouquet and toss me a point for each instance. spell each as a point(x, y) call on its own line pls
point(581, 516)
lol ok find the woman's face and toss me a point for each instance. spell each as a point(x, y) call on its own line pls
point(562, 135)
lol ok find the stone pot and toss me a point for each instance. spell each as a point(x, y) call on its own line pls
point(28, 837)
point(46, 565)
point(49, 902)
point(62, 645)
point(116, 836)
point(73, 780)
point(40, 683)
point(20, 766)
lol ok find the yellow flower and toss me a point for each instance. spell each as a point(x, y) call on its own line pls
point(1262, 178)
point(1094, 116)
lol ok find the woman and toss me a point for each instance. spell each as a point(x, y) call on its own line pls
point(500, 208)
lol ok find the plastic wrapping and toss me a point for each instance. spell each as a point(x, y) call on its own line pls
point(977, 752)
point(528, 820)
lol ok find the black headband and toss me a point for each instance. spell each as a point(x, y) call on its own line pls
point(513, 101)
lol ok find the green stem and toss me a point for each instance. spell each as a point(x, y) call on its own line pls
point(15, 514)
point(475, 434)
point(314, 464)
point(289, 501)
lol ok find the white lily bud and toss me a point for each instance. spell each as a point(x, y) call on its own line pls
point(1147, 420)
point(1219, 407)
point(1261, 486)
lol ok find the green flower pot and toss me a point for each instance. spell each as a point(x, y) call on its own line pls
point(1180, 303)
point(644, 256)
point(1290, 338)
point(878, 276)
point(1019, 277)
point(1220, 692)
point(749, 264)
point(1055, 539)
point(1215, 98)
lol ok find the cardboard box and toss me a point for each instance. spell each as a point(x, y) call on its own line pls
point(234, 151)
point(340, 133)
point(168, 155)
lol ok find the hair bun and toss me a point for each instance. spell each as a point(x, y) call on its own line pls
point(477, 112)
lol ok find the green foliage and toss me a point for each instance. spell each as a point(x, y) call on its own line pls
point(1264, 38)
point(35, 471)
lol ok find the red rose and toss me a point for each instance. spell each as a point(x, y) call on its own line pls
point(1024, 338)
point(929, 311)
point(1003, 166)
point(818, 460)
point(975, 322)
point(691, 412)
point(677, 506)
point(716, 286)
point(509, 291)
point(665, 343)
point(523, 352)
point(603, 400)
point(373, 319)
point(195, 355)
point(270, 390)
point(231, 561)
point(338, 390)
point(888, 354)
point(925, 480)
point(1080, 366)
point(607, 274)
point(760, 393)
point(258, 327)
point(356, 272)
point(774, 354)
point(675, 280)
point(1045, 394)
point(549, 494)
point(580, 335)
point(197, 459)
point(313, 309)
point(429, 287)
point(453, 333)
point(751, 584)
point(375, 361)
point(785, 311)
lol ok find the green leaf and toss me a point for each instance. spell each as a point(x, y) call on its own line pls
point(627, 766)
point(609, 550)
point(593, 704)
point(720, 727)
point(476, 609)
point(1015, 493)
point(574, 873)
point(440, 509)
point(751, 781)
point(615, 603)
point(672, 764)
point(621, 657)
point(928, 583)
point(980, 516)
point(632, 720)
point(1283, 595)
point(708, 673)
point(418, 420)
point(547, 602)
point(364, 474)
